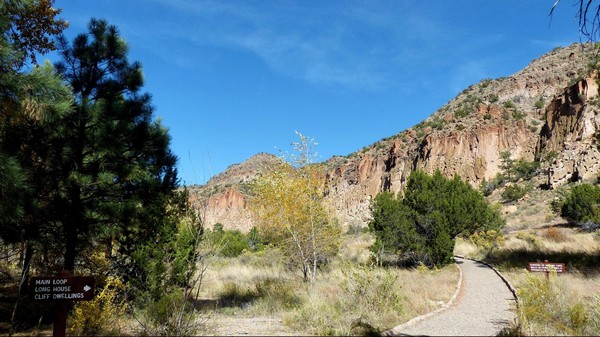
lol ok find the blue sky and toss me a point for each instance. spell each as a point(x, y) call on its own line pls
point(234, 78)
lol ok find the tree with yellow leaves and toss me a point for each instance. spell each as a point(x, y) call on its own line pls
point(287, 204)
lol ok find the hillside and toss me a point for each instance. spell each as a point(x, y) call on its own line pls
point(550, 107)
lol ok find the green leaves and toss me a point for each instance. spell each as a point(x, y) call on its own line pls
point(422, 225)
point(582, 204)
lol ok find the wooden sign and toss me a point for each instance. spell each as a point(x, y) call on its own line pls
point(546, 267)
point(71, 288)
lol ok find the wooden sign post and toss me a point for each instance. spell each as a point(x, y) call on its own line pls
point(61, 289)
point(546, 267)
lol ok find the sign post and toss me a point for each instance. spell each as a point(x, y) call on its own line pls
point(546, 267)
point(61, 289)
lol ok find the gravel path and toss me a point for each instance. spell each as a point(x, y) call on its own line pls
point(482, 308)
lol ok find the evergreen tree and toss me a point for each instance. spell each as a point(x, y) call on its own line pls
point(30, 104)
point(582, 204)
point(421, 226)
point(116, 169)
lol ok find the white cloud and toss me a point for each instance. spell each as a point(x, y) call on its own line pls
point(295, 42)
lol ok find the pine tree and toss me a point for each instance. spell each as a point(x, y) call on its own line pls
point(117, 171)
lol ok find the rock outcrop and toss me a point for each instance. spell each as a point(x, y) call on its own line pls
point(529, 114)
point(569, 134)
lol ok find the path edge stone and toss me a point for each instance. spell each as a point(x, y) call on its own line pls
point(395, 331)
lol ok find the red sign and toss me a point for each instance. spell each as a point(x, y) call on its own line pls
point(546, 267)
point(80, 288)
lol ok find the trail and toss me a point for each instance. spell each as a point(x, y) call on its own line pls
point(483, 307)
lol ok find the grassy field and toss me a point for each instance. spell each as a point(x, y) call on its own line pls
point(348, 294)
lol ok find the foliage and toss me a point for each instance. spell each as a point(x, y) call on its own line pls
point(170, 315)
point(546, 308)
point(487, 240)
point(358, 301)
point(287, 203)
point(487, 187)
point(539, 103)
point(514, 171)
point(167, 259)
point(12, 194)
point(30, 104)
point(117, 170)
point(231, 243)
point(506, 163)
point(169, 273)
point(525, 170)
point(513, 192)
point(29, 27)
point(421, 226)
point(582, 204)
point(101, 315)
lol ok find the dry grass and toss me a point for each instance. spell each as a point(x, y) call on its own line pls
point(553, 240)
point(344, 293)
point(569, 304)
point(467, 249)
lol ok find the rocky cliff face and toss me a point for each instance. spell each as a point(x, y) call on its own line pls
point(222, 199)
point(569, 134)
point(529, 114)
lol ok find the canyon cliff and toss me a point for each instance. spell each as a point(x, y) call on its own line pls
point(547, 112)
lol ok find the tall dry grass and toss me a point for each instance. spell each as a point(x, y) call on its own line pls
point(567, 303)
point(347, 295)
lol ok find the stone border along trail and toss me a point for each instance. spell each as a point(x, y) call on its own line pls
point(484, 307)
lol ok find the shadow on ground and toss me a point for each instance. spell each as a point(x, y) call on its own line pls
point(587, 263)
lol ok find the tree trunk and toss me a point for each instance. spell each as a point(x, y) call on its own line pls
point(23, 289)
point(73, 221)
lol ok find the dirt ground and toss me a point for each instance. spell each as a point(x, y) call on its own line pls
point(248, 326)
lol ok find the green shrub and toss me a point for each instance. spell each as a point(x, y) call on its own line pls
point(582, 204)
point(422, 225)
point(518, 115)
point(539, 103)
point(232, 294)
point(232, 243)
point(525, 170)
point(487, 187)
point(369, 290)
point(170, 315)
point(486, 240)
point(510, 105)
point(513, 193)
point(462, 112)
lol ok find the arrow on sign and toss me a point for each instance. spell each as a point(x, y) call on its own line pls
point(86, 288)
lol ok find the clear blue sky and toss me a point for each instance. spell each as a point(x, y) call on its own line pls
point(234, 78)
